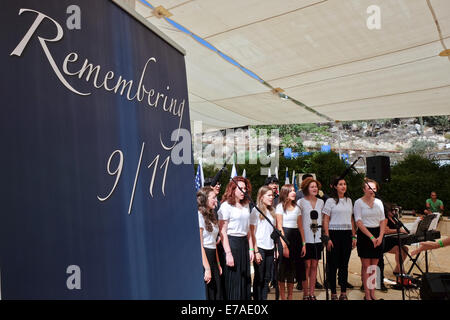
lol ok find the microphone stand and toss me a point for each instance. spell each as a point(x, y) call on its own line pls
point(399, 224)
point(324, 263)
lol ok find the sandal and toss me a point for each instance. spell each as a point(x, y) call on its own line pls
point(334, 297)
point(312, 298)
point(306, 298)
point(343, 297)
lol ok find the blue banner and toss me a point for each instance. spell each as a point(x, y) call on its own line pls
point(97, 190)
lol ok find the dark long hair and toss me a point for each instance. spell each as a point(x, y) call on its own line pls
point(229, 194)
point(334, 192)
point(207, 213)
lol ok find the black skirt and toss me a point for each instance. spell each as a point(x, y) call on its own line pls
point(293, 267)
point(237, 279)
point(313, 251)
point(365, 246)
point(213, 288)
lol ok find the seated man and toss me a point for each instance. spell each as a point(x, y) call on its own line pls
point(434, 205)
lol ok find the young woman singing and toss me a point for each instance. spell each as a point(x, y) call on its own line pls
point(209, 229)
point(371, 222)
point(339, 226)
point(234, 220)
point(289, 222)
point(263, 243)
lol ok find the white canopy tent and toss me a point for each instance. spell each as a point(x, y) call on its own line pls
point(320, 53)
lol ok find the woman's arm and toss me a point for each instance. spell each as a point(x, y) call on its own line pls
point(364, 230)
point(207, 276)
point(279, 218)
point(383, 224)
point(218, 262)
point(302, 233)
point(325, 225)
point(223, 226)
point(251, 239)
point(279, 226)
point(354, 239)
point(429, 245)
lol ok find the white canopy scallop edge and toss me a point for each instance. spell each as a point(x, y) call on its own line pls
point(321, 53)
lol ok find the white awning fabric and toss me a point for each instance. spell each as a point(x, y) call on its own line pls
point(320, 52)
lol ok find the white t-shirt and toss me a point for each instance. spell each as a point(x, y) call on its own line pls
point(209, 238)
point(289, 217)
point(263, 229)
point(370, 217)
point(238, 219)
point(340, 214)
point(306, 208)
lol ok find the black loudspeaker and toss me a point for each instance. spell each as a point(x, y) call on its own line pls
point(378, 168)
point(435, 286)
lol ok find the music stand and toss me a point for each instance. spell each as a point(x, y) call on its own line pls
point(424, 225)
point(422, 229)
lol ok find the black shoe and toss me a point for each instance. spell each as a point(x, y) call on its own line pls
point(361, 288)
point(318, 285)
point(299, 286)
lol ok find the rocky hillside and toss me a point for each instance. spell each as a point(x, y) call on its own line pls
point(394, 137)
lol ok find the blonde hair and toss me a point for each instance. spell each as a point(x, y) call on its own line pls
point(259, 202)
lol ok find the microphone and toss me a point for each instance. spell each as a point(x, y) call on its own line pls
point(217, 176)
point(347, 171)
point(314, 216)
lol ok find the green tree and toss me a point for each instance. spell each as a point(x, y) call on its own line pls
point(412, 181)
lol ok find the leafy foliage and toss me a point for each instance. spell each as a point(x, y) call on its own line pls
point(420, 147)
point(412, 181)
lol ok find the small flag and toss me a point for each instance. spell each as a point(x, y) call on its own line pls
point(233, 172)
point(244, 174)
point(294, 180)
point(198, 177)
point(287, 177)
point(202, 177)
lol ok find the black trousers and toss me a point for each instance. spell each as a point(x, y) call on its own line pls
point(338, 258)
point(263, 273)
point(213, 288)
